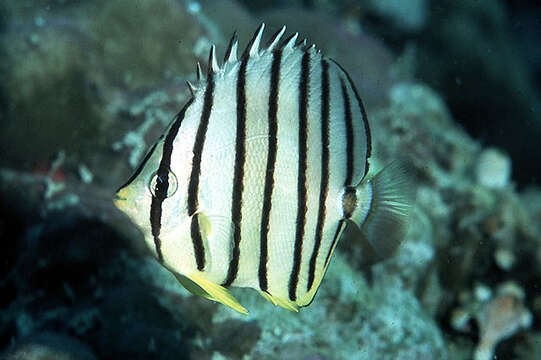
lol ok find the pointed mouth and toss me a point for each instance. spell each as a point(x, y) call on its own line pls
point(120, 198)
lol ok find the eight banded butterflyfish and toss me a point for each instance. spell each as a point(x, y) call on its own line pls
point(256, 178)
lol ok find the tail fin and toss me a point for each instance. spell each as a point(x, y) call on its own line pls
point(384, 206)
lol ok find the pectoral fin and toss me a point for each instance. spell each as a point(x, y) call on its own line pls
point(384, 225)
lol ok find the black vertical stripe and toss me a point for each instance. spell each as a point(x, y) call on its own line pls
point(193, 185)
point(366, 125)
point(160, 193)
point(238, 176)
point(271, 162)
point(349, 133)
point(328, 258)
point(365, 119)
point(324, 186)
point(301, 179)
point(334, 240)
point(155, 223)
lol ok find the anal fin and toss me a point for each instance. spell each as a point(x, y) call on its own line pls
point(286, 304)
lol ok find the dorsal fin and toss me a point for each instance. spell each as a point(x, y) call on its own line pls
point(275, 39)
point(252, 49)
point(199, 72)
point(253, 46)
point(191, 87)
point(231, 53)
point(213, 62)
point(289, 43)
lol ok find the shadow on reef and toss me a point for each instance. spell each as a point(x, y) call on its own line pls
point(67, 277)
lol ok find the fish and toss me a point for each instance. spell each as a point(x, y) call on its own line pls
point(254, 181)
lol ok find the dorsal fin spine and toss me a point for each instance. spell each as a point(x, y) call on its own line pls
point(213, 62)
point(192, 88)
point(253, 46)
point(289, 43)
point(199, 72)
point(275, 39)
point(231, 53)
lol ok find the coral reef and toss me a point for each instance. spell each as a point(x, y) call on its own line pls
point(497, 317)
point(79, 66)
point(99, 83)
point(500, 318)
point(49, 346)
point(493, 169)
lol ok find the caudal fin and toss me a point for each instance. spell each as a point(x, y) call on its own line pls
point(384, 206)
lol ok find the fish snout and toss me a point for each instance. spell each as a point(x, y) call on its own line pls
point(120, 199)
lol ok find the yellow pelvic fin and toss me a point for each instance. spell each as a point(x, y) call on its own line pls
point(196, 283)
point(217, 293)
point(286, 304)
point(192, 286)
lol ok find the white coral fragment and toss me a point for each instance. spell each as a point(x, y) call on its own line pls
point(500, 318)
point(493, 169)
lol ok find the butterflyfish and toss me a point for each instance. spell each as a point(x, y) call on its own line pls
point(256, 178)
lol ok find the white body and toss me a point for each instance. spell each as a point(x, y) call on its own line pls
point(170, 225)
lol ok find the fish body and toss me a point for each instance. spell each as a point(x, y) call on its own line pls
point(254, 181)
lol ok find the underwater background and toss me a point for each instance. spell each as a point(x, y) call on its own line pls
point(452, 86)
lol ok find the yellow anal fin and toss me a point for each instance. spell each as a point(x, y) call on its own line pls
point(217, 293)
point(268, 297)
point(309, 297)
point(286, 304)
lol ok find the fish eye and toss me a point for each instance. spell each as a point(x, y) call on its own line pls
point(156, 182)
